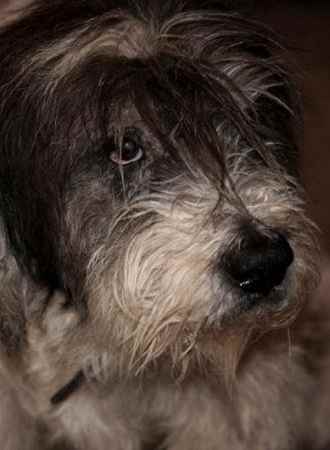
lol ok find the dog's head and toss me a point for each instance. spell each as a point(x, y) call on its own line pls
point(148, 171)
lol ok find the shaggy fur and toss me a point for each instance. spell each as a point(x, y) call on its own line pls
point(147, 153)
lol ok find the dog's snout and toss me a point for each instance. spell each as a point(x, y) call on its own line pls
point(260, 263)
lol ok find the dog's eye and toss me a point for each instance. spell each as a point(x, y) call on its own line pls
point(130, 151)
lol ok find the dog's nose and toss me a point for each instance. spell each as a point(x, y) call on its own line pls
point(260, 263)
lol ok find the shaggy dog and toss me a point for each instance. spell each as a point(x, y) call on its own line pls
point(153, 233)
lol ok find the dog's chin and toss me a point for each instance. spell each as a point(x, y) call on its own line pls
point(217, 346)
point(217, 342)
point(258, 308)
point(250, 307)
point(208, 336)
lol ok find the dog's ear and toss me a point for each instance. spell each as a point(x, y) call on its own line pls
point(20, 297)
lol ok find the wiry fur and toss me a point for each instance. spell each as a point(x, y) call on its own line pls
point(117, 272)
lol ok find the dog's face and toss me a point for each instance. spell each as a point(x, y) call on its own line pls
point(147, 170)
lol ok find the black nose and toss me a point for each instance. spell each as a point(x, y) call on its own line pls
point(260, 263)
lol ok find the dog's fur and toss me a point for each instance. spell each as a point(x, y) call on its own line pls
point(120, 327)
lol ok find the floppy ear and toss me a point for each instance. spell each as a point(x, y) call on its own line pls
point(12, 316)
point(19, 298)
point(36, 328)
point(17, 417)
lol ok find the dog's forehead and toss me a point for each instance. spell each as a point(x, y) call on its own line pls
point(105, 68)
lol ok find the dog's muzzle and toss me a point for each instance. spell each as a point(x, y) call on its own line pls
point(259, 263)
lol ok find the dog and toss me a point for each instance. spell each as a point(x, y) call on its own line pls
point(155, 250)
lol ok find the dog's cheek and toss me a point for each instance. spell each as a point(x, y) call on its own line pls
point(151, 283)
point(87, 216)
